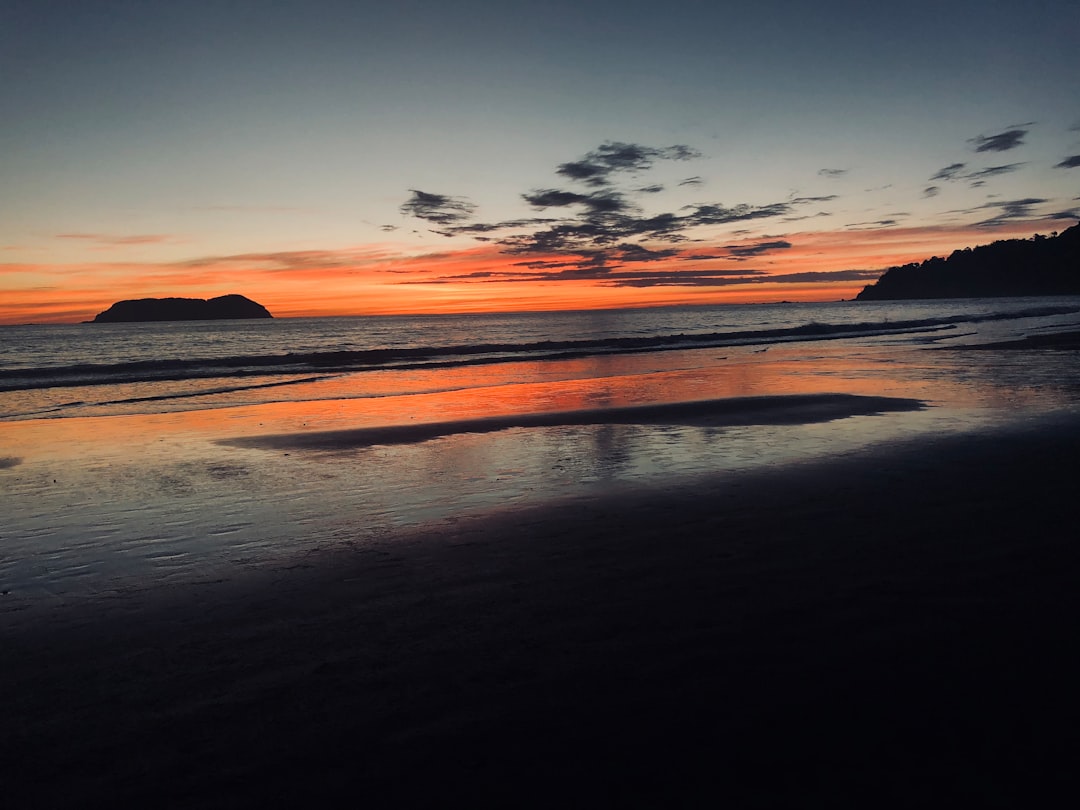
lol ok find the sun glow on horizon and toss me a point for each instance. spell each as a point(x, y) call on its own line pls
point(389, 280)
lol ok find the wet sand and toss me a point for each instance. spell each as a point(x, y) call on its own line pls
point(895, 626)
point(790, 409)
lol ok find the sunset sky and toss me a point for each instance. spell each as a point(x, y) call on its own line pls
point(331, 157)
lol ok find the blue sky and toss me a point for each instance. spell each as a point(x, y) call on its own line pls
point(150, 134)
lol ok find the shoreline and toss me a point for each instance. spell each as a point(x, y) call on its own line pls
point(876, 626)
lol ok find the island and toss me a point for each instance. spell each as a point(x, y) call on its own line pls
point(224, 307)
point(1042, 265)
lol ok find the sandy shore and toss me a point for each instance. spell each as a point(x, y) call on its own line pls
point(893, 627)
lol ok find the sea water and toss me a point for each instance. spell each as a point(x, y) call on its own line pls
point(117, 472)
point(74, 370)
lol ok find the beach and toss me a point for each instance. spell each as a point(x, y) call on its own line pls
point(837, 571)
point(539, 405)
point(887, 626)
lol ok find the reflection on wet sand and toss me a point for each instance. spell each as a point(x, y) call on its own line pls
point(777, 410)
point(93, 504)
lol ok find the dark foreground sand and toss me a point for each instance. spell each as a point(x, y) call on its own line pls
point(893, 628)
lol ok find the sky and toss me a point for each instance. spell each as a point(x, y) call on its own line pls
point(346, 158)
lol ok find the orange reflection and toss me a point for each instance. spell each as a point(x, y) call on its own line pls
point(386, 398)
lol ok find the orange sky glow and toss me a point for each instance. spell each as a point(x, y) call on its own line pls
point(387, 279)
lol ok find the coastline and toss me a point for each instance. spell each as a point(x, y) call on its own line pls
point(896, 621)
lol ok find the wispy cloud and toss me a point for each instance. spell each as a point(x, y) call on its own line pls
point(438, 208)
point(597, 227)
point(671, 278)
point(956, 172)
point(747, 251)
point(1022, 209)
point(1071, 162)
point(807, 216)
point(832, 173)
point(992, 171)
point(877, 223)
point(114, 240)
point(950, 172)
point(707, 278)
point(599, 165)
point(999, 142)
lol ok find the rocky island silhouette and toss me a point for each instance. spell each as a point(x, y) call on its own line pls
point(224, 307)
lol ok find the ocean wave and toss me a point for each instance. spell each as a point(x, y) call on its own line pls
point(440, 356)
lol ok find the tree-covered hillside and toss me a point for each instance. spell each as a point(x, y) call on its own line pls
point(1042, 265)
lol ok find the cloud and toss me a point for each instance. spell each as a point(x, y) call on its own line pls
point(1011, 209)
point(600, 224)
point(714, 278)
point(826, 276)
point(118, 241)
point(1001, 142)
point(599, 202)
point(956, 171)
point(553, 197)
point(714, 214)
point(438, 208)
point(638, 253)
point(597, 167)
point(685, 278)
point(833, 173)
point(621, 278)
point(289, 261)
point(931, 191)
point(807, 216)
point(992, 171)
point(950, 172)
point(746, 251)
point(1071, 162)
point(877, 223)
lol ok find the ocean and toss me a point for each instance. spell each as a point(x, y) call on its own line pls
point(61, 371)
point(135, 456)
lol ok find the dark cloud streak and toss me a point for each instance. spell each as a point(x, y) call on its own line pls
point(601, 226)
point(438, 208)
point(992, 171)
point(1001, 142)
point(1011, 209)
point(746, 251)
point(597, 167)
point(950, 172)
